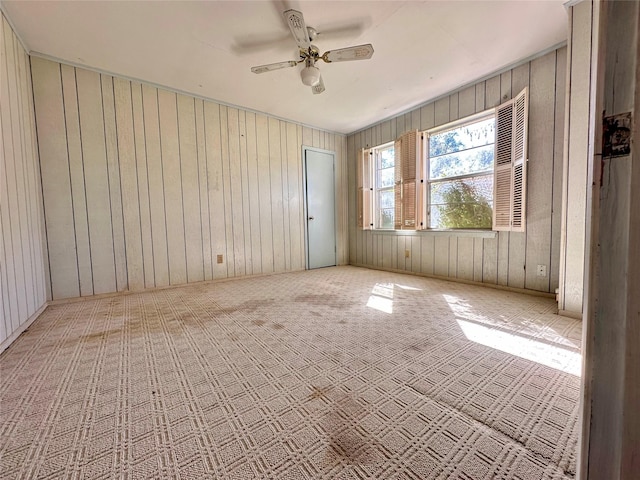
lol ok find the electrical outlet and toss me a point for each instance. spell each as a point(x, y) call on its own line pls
point(407, 253)
point(542, 270)
point(220, 259)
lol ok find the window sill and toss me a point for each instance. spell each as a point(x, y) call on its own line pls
point(438, 233)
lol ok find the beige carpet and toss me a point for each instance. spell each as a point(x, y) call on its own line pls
point(328, 374)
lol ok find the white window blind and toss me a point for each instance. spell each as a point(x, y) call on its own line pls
point(510, 167)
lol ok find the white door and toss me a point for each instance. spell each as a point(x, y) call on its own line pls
point(320, 208)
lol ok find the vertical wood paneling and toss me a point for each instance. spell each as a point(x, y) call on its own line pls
point(558, 153)
point(294, 188)
point(540, 170)
point(24, 173)
point(441, 265)
point(190, 188)
point(246, 207)
point(10, 199)
point(96, 178)
point(492, 93)
point(203, 176)
point(5, 303)
point(142, 172)
point(233, 181)
point(284, 173)
point(56, 182)
point(427, 116)
point(266, 236)
point(253, 181)
point(16, 207)
point(454, 101)
point(351, 179)
point(478, 251)
point(400, 248)
point(386, 252)
point(152, 186)
point(217, 221)
point(173, 201)
point(76, 172)
point(113, 168)
point(441, 111)
point(155, 178)
point(480, 96)
point(465, 261)
point(453, 256)
point(376, 260)
point(41, 270)
point(467, 102)
point(427, 246)
point(275, 175)
point(22, 274)
point(385, 132)
point(416, 254)
point(129, 183)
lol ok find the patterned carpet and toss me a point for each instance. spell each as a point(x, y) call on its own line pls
point(328, 374)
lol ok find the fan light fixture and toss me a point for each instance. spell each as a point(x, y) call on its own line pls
point(310, 75)
point(309, 54)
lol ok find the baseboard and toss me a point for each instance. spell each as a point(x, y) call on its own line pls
point(570, 314)
point(11, 338)
point(535, 293)
point(64, 301)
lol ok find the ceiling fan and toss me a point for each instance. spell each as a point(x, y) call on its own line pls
point(309, 54)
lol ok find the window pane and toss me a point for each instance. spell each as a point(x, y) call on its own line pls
point(386, 177)
point(387, 160)
point(386, 218)
point(475, 160)
point(462, 203)
point(469, 136)
point(386, 199)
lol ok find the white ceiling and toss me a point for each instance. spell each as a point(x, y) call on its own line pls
point(423, 49)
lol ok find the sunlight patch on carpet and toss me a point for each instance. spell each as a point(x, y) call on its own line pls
point(527, 348)
point(381, 297)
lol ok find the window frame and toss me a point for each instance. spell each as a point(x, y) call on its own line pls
point(510, 165)
point(426, 168)
point(377, 189)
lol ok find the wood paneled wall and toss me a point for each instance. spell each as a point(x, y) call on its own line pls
point(144, 187)
point(505, 258)
point(22, 268)
point(579, 141)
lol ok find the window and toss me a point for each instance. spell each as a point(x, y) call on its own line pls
point(460, 175)
point(468, 175)
point(384, 190)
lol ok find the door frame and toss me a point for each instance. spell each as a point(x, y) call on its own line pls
point(304, 194)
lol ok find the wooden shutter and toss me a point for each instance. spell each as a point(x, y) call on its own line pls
point(510, 168)
point(365, 189)
point(406, 150)
point(520, 124)
point(397, 189)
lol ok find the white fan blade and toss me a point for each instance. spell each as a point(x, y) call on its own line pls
point(359, 52)
point(298, 28)
point(274, 66)
point(318, 88)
